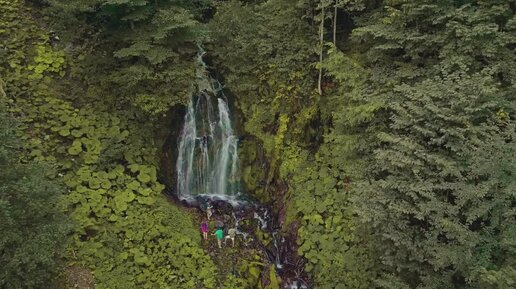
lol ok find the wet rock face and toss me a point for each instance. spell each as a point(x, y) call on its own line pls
point(254, 167)
point(168, 156)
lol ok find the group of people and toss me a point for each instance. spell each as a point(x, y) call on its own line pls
point(219, 232)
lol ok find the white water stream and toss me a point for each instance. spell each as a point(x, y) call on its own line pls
point(207, 163)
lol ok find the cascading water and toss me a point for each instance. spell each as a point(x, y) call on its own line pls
point(207, 163)
point(208, 168)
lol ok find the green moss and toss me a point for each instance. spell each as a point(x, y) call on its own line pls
point(249, 178)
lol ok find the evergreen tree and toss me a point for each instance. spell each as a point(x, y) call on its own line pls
point(428, 109)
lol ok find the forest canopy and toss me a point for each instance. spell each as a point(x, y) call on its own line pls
point(381, 135)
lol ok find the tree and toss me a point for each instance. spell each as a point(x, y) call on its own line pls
point(322, 16)
point(427, 102)
point(145, 49)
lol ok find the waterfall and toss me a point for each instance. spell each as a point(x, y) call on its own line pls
point(208, 168)
point(207, 162)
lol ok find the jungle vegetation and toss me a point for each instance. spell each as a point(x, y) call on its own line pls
point(387, 129)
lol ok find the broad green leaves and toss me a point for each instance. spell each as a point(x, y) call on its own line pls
point(47, 61)
point(34, 232)
point(329, 237)
point(125, 231)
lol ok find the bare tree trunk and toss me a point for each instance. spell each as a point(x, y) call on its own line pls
point(321, 33)
point(335, 26)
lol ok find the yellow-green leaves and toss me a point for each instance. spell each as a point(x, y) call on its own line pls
point(76, 147)
point(47, 60)
point(146, 174)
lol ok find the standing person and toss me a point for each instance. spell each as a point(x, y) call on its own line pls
point(231, 235)
point(204, 229)
point(219, 233)
point(209, 211)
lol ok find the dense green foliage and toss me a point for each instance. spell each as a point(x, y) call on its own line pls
point(436, 186)
point(264, 58)
point(33, 233)
point(125, 231)
point(276, 43)
point(418, 151)
point(141, 49)
point(381, 131)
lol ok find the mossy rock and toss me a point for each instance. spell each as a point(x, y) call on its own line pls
point(249, 178)
point(249, 151)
